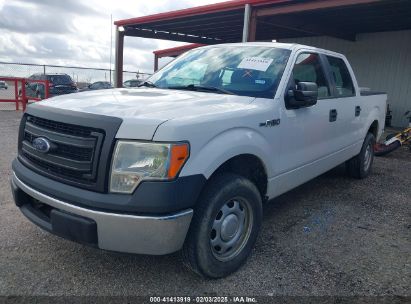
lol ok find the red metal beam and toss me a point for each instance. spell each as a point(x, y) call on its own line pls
point(179, 49)
point(173, 52)
point(190, 21)
point(199, 10)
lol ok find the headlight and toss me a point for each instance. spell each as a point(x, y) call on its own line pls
point(134, 162)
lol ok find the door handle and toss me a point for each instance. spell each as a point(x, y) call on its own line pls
point(333, 115)
point(357, 111)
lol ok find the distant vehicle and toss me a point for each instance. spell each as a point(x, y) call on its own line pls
point(3, 85)
point(82, 85)
point(59, 84)
point(132, 83)
point(99, 85)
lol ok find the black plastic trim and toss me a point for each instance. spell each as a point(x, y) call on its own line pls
point(69, 226)
point(150, 197)
point(369, 93)
point(74, 227)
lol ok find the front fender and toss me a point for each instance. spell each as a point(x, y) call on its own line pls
point(226, 145)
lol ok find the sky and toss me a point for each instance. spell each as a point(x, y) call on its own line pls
point(77, 32)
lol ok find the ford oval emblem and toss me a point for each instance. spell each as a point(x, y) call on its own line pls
point(41, 144)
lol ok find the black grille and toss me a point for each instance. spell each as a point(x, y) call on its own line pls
point(60, 127)
point(74, 150)
point(83, 154)
point(55, 169)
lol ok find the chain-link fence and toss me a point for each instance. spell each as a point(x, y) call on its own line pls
point(62, 80)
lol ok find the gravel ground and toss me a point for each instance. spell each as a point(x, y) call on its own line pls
point(333, 236)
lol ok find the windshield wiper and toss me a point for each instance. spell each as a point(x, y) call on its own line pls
point(148, 84)
point(193, 87)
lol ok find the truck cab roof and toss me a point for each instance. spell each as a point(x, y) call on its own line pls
point(288, 46)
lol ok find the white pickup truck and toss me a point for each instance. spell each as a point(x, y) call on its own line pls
point(186, 160)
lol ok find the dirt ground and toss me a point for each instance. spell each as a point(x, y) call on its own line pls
point(333, 236)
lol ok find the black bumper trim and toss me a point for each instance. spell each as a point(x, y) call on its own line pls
point(69, 226)
point(149, 198)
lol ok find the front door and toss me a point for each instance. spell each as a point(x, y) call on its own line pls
point(306, 133)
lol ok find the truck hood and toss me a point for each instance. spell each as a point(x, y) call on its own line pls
point(144, 109)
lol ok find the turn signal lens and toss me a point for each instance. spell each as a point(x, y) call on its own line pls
point(179, 154)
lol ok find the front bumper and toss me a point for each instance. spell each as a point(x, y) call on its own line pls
point(130, 233)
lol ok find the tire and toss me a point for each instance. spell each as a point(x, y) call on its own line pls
point(38, 95)
point(230, 204)
point(360, 165)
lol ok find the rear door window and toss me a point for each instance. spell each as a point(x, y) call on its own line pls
point(341, 76)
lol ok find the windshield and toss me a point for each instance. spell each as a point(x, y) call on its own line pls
point(241, 70)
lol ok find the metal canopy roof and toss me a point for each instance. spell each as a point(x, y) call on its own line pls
point(208, 24)
point(275, 19)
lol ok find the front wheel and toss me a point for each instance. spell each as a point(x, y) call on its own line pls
point(360, 165)
point(225, 226)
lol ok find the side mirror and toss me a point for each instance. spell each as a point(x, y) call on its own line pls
point(305, 95)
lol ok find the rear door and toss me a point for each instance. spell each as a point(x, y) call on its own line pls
point(348, 126)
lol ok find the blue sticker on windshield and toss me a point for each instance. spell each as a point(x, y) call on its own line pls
point(260, 81)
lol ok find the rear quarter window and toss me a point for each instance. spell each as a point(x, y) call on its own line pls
point(341, 76)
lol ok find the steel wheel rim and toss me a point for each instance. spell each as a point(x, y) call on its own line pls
point(231, 229)
point(367, 158)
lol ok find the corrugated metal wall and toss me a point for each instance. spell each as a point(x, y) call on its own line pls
point(381, 61)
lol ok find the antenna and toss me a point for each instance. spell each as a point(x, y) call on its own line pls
point(111, 41)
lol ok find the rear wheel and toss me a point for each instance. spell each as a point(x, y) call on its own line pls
point(360, 166)
point(225, 226)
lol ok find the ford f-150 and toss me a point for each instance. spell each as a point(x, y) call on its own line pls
point(186, 160)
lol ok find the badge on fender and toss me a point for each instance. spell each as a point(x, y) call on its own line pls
point(270, 123)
